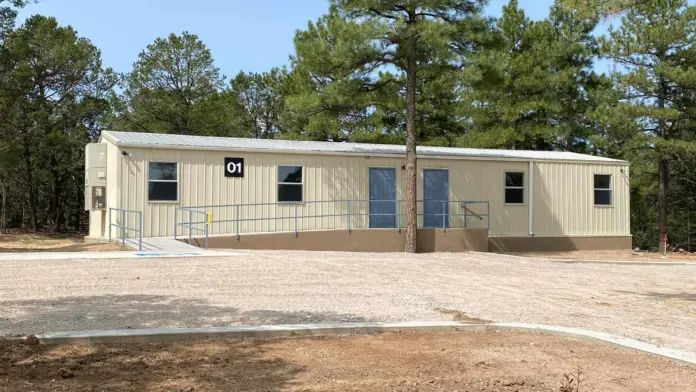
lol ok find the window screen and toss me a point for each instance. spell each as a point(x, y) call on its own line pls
point(514, 188)
point(163, 181)
point(290, 183)
point(602, 190)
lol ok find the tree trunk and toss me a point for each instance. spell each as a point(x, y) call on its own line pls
point(663, 173)
point(411, 160)
point(570, 122)
point(78, 207)
point(30, 185)
point(56, 199)
point(3, 208)
point(663, 181)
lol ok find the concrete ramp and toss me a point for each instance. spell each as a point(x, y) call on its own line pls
point(167, 244)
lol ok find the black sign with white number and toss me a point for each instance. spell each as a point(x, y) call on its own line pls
point(234, 167)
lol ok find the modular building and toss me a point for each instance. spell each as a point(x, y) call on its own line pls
point(283, 194)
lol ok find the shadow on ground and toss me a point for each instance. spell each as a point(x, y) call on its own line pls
point(664, 296)
point(235, 366)
point(141, 311)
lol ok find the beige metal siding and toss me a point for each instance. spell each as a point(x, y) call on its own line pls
point(326, 178)
point(99, 220)
point(113, 155)
point(564, 200)
point(482, 180)
point(202, 183)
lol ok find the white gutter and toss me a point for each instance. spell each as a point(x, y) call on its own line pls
point(531, 198)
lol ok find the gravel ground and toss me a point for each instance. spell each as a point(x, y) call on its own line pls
point(652, 303)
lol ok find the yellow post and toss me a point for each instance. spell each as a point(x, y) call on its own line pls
point(210, 218)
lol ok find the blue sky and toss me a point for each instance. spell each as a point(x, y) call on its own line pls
point(249, 35)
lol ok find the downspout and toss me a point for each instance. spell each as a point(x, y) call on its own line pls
point(531, 198)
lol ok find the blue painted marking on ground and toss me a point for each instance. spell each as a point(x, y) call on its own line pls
point(160, 254)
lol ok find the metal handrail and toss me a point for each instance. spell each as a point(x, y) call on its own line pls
point(191, 210)
point(472, 212)
point(190, 223)
point(125, 229)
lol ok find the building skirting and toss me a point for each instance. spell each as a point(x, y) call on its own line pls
point(361, 240)
point(558, 244)
point(429, 240)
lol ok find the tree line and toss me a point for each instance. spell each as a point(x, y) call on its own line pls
point(414, 72)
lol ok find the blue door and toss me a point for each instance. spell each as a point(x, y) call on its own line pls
point(382, 197)
point(435, 198)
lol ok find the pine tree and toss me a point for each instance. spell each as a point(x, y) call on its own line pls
point(654, 49)
point(509, 104)
point(603, 8)
point(363, 49)
point(57, 102)
point(572, 84)
point(260, 101)
point(172, 75)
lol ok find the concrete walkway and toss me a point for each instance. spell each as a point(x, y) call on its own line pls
point(167, 244)
point(111, 255)
point(158, 335)
point(154, 247)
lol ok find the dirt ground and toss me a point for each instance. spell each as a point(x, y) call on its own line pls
point(504, 361)
point(42, 242)
point(611, 255)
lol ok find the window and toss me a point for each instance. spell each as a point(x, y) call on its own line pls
point(514, 188)
point(289, 184)
point(602, 190)
point(163, 182)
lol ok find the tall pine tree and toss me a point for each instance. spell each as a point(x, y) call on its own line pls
point(172, 75)
point(509, 104)
point(654, 48)
point(573, 86)
point(365, 46)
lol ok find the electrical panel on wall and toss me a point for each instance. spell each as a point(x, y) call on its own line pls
point(95, 176)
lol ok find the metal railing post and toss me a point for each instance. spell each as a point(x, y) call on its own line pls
point(295, 220)
point(237, 216)
point(444, 225)
point(175, 210)
point(398, 216)
point(488, 217)
point(140, 245)
point(466, 214)
point(206, 235)
point(123, 227)
point(349, 208)
point(110, 224)
point(190, 222)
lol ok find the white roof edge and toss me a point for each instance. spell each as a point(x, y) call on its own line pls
point(159, 140)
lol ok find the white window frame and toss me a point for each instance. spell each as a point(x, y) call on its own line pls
point(610, 190)
point(506, 187)
point(301, 184)
point(178, 188)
